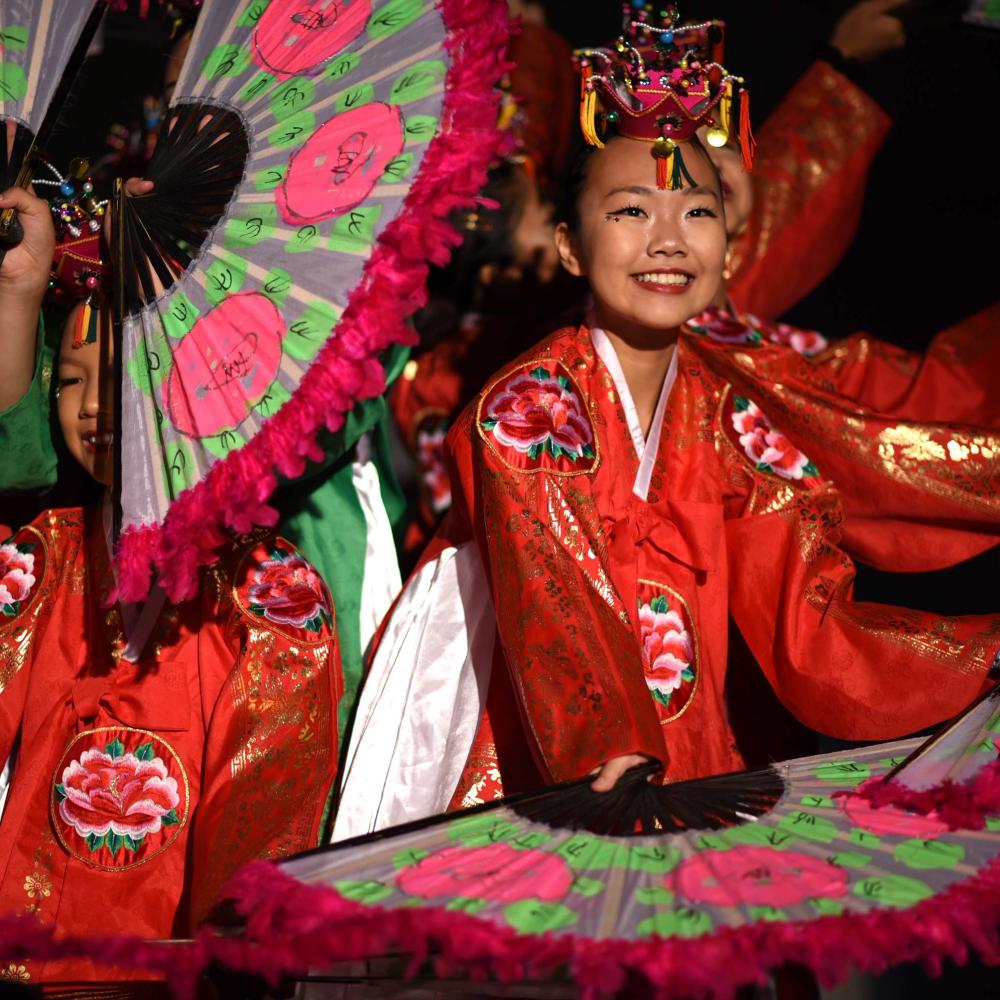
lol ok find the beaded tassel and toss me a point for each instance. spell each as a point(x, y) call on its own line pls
point(85, 329)
point(588, 112)
point(748, 144)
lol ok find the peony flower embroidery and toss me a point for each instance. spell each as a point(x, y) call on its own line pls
point(766, 447)
point(756, 876)
point(722, 326)
point(115, 799)
point(538, 413)
point(667, 650)
point(805, 342)
point(285, 589)
point(497, 872)
point(433, 468)
point(17, 566)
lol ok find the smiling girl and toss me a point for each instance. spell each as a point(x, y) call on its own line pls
point(617, 499)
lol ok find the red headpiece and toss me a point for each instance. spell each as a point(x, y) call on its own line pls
point(660, 83)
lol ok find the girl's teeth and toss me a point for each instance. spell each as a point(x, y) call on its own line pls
point(664, 279)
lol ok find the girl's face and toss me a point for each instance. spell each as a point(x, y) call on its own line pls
point(84, 401)
point(653, 257)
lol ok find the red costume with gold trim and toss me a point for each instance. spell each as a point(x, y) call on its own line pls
point(612, 610)
point(810, 169)
point(139, 787)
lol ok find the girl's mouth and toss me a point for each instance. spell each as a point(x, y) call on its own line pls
point(95, 442)
point(671, 281)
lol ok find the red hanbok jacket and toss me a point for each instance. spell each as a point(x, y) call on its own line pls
point(139, 787)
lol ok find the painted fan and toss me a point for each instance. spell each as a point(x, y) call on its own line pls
point(40, 54)
point(309, 152)
point(686, 890)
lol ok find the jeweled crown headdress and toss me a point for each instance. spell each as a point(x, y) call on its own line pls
point(660, 83)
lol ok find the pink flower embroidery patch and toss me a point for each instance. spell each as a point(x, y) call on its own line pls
point(119, 796)
point(497, 872)
point(285, 589)
point(766, 447)
point(538, 419)
point(17, 575)
point(669, 658)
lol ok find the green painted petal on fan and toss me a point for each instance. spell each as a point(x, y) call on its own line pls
point(13, 82)
point(588, 853)
point(993, 725)
point(827, 907)
point(993, 823)
point(409, 857)
point(341, 66)
point(844, 772)
point(758, 835)
point(220, 445)
point(257, 86)
point(654, 895)
point(863, 838)
point(179, 316)
point(418, 81)
point(769, 914)
point(364, 892)
point(293, 131)
point(151, 362)
point(893, 890)
point(850, 859)
point(477, 831)
point(676, 923)
point(277, 285)
point(587, 886)
point(310, 331)
point(397, 168)
point(223, 277)
point(292, 96)
point(14, 38)
point(529, 841)
point(888, 763)
point(226, 60)
point(354, 97)
point(250, 17)
point(420, 128)
point(464, 904)
point(809, 827)
point(304, 239)
point(272, 400)
point(394, 16)
point(179, 470)
point(250, 225)
point(532, 916)
point(354, 232)
point(817, 801)
point(926, 854)
point(712, 842)
point(270, 178)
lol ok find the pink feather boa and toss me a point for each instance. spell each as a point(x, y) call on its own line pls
point(235, 493)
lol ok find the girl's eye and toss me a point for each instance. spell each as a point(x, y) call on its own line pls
point(64, 382)
point(702, 213)
point(632, 211)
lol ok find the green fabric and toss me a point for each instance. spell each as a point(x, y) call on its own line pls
point(29, 455)
point(321, 515)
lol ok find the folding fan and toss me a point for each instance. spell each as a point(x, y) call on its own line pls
point(308, 151)
point(42, 45)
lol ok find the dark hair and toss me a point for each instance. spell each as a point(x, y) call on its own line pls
point(578, 167)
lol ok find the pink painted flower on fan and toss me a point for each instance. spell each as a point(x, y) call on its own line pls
point(890, 820)
point(16, 577)
point(667, 650)
point(497, 872)
point(766, 447)
point(535, 412)
point(756, 876)
point(287, 590)
point(122, 795)
point(720, 325)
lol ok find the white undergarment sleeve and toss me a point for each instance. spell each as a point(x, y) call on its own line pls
point(422, 699)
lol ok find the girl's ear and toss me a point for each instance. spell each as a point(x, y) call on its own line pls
point(566, 248)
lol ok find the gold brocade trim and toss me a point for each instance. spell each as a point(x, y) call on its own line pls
point(483, 771)
point(594, 465)
point(903, 627)
point(182, 819)
point(276, 627)
point(694, 637)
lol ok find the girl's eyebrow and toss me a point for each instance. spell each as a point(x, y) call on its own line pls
point(702, 190)
point(634, 189)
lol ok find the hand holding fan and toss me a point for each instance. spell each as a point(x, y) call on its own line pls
point(303, 167)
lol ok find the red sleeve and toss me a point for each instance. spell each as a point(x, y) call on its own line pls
point(574, 663)
point(858, 671)
point(270, 757)
point(810, 171)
